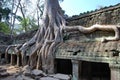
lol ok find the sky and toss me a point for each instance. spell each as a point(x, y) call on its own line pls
point(75, 7)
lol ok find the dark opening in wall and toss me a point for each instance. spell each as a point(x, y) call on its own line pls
point(19, 60)
point(14, 59)
point(95, 71)
point(2, 55)
point(2, 58)
point(9, 58)
point(63, 66)
point(27, 58)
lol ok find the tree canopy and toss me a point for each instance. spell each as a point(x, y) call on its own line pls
point(4, 18)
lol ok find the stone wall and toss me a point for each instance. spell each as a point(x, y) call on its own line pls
point(106, 15)
point(5, 39)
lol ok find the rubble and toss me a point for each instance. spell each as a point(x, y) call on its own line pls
point(23, 77)
point(4, 74)
point(62, 76)
point(27, 67)
point(48, 78)
point(26, 73)
point(37, 72)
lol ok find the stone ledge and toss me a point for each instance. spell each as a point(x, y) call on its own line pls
point(111, 60)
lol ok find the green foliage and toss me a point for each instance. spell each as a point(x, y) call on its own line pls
point(4, 28)
point(19, 18)
point(33, 25)
point(4, 13)
point(26, 24)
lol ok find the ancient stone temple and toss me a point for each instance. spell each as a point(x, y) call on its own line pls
point(84, 56)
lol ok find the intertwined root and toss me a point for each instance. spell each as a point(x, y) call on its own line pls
point(95, 27)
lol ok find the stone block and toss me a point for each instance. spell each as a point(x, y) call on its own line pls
point(62, 76)
point(37, 72)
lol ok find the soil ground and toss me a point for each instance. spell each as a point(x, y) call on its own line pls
point(12, 70)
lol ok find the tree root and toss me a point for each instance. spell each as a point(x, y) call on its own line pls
point(50, 35)
point(95, 27)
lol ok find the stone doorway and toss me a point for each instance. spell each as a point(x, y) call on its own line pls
point(94, 71)
point(63, 66)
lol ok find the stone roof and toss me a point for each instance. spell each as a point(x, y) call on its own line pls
point(88, 13)
point(89, 51)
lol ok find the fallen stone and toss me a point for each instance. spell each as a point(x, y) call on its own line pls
point(4, 74)
point(16, 75)
point(27, 67)
point(62, 76)
point(2, 70)
point(48, 78)
point(22, 77)
point(37, 77)
point(8, 78)
point(27, 73)
point(37, 72)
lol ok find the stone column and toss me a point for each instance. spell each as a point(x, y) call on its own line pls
point(115, 71)
point(76, 69)
point(18, 60)
point(12, 59)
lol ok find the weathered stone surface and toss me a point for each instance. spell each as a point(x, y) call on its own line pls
point(115, 71)
point(8, 78)
point(4, 74)
point(2, 61)
point(22, 77)
point(62, 76)
point(27, 73)
point(27, 67)
point(48, 78)
point(107, 15)
point(2, 70)
point(16, 75)
point(37, 72)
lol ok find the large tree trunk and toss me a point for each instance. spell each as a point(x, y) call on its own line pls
point(49, 35)
point(47, 38)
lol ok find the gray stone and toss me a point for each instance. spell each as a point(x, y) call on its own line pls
point(27, 73)
point(16, 75)
point(48, 78)
point(37, 72)
point(27, 67)
point(22, 77)
point(62, 76)
point(2, 61)
point(4, 74)
point(2, 70)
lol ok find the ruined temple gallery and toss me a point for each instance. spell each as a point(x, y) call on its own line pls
point(85, 56)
